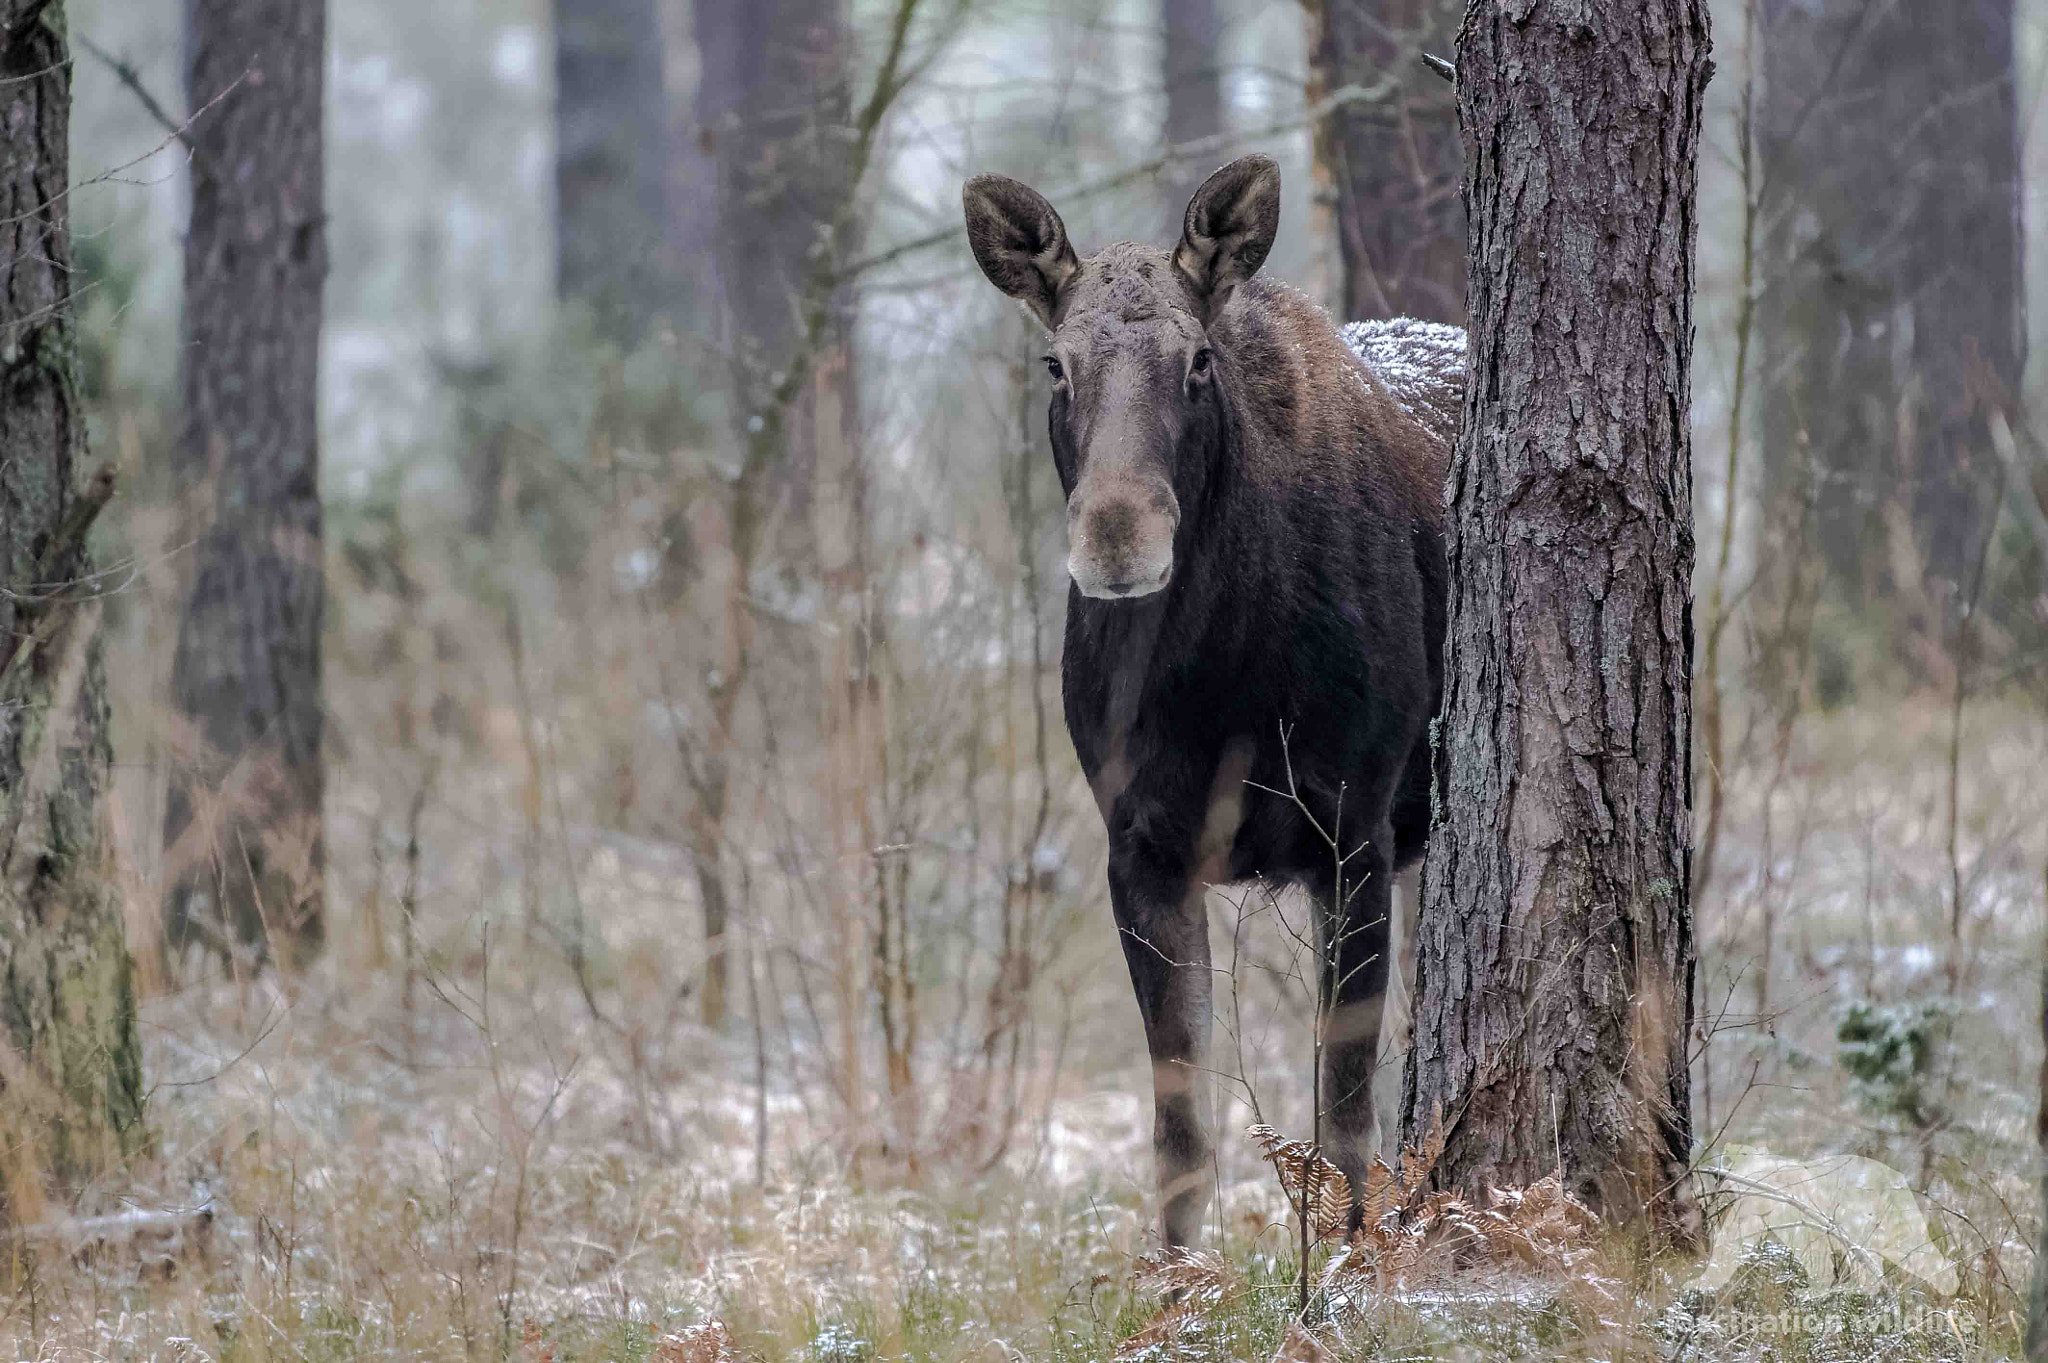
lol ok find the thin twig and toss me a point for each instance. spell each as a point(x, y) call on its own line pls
point(1153, 165)
point(2019, 487)
point(126, 73)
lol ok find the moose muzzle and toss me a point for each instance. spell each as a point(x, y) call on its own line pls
point(1120, 538)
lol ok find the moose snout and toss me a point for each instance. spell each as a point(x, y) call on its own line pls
point(1121, 543)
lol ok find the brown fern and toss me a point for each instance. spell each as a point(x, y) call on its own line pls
point(1407, 1231)
point(1302, 1347)
point(1308, 1180)
point(1166, 1328)
point(1185, 1273)
point(1416, 1165)
point(1381, 1185)
point(1197, 1281)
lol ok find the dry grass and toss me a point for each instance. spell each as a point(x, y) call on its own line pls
point(495, 1172)
point(489, 1123)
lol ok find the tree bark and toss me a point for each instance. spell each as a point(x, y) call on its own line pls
point(1890, 307)
point(70, 1062)
point(1556, 950)
point(244, 852)
point(1392, 162)
point(612, 245)
point(1191, 65)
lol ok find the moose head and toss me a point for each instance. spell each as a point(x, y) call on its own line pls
point(1140, 394)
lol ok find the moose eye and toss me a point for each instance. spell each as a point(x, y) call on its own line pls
point(1052, 367)
point(1199, 367)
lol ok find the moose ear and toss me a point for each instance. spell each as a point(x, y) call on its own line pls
point(1230, 226)
point(1019, 242)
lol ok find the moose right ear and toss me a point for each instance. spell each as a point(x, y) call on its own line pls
point(1019, 242)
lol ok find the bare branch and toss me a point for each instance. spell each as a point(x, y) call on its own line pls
point(2019, 485)
point(1194, 150)
point(126, 73)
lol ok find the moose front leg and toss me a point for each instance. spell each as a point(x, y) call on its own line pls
point(1354, 918)
point(1164, 927)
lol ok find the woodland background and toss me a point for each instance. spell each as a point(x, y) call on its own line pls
point(695, 576)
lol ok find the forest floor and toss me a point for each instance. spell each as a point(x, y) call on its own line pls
point(467, 1160)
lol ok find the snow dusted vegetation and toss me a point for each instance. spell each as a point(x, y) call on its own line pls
point(438, 1144)
point(502, 1118)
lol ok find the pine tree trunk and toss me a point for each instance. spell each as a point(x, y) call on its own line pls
point(612, 247)
point(774, 104)
point(1556, 951)
point(1392, 162)
point(244, 855)
point(1890, 323)
point(2037, 1295)
point(74, 1100)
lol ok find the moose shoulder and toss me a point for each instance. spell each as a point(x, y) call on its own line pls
point(1255, 529)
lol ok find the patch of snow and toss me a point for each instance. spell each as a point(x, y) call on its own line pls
point(1420, 364)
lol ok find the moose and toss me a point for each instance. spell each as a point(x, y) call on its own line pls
point(1255, 623)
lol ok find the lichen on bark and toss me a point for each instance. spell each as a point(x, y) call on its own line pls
point(70, 1062)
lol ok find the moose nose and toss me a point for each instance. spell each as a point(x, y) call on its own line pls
point(1140, 584)
point(1123, 546)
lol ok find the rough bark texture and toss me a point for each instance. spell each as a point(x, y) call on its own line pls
point(70, 1064)
point(612, 248)
point(244, 855)
point(1191, 64)
point(1556, 951)
point(1889, 313)
point(1392, 161)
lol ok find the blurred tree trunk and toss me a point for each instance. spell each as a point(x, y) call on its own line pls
point(1391, 163)
point(2037, 1296)
point(1889, 313)
point(612, 243)
point(71, 1090)
point(245, 858)
point(692, 182)
point(774, 109)
point(1556, 950)
point(774, 105)
point(1192, 67)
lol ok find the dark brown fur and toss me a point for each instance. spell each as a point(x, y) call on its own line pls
point(1274, 688)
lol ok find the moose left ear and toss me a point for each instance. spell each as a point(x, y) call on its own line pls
point(1019, 242)
point(1230, 226)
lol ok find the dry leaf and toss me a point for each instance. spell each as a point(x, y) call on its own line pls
point(1191, 1273)
point(705, 1342)
point(1302, 1347)
point(1301, 1165)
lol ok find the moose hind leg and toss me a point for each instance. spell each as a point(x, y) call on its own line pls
point(1164, 927)
point(1354, 921)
